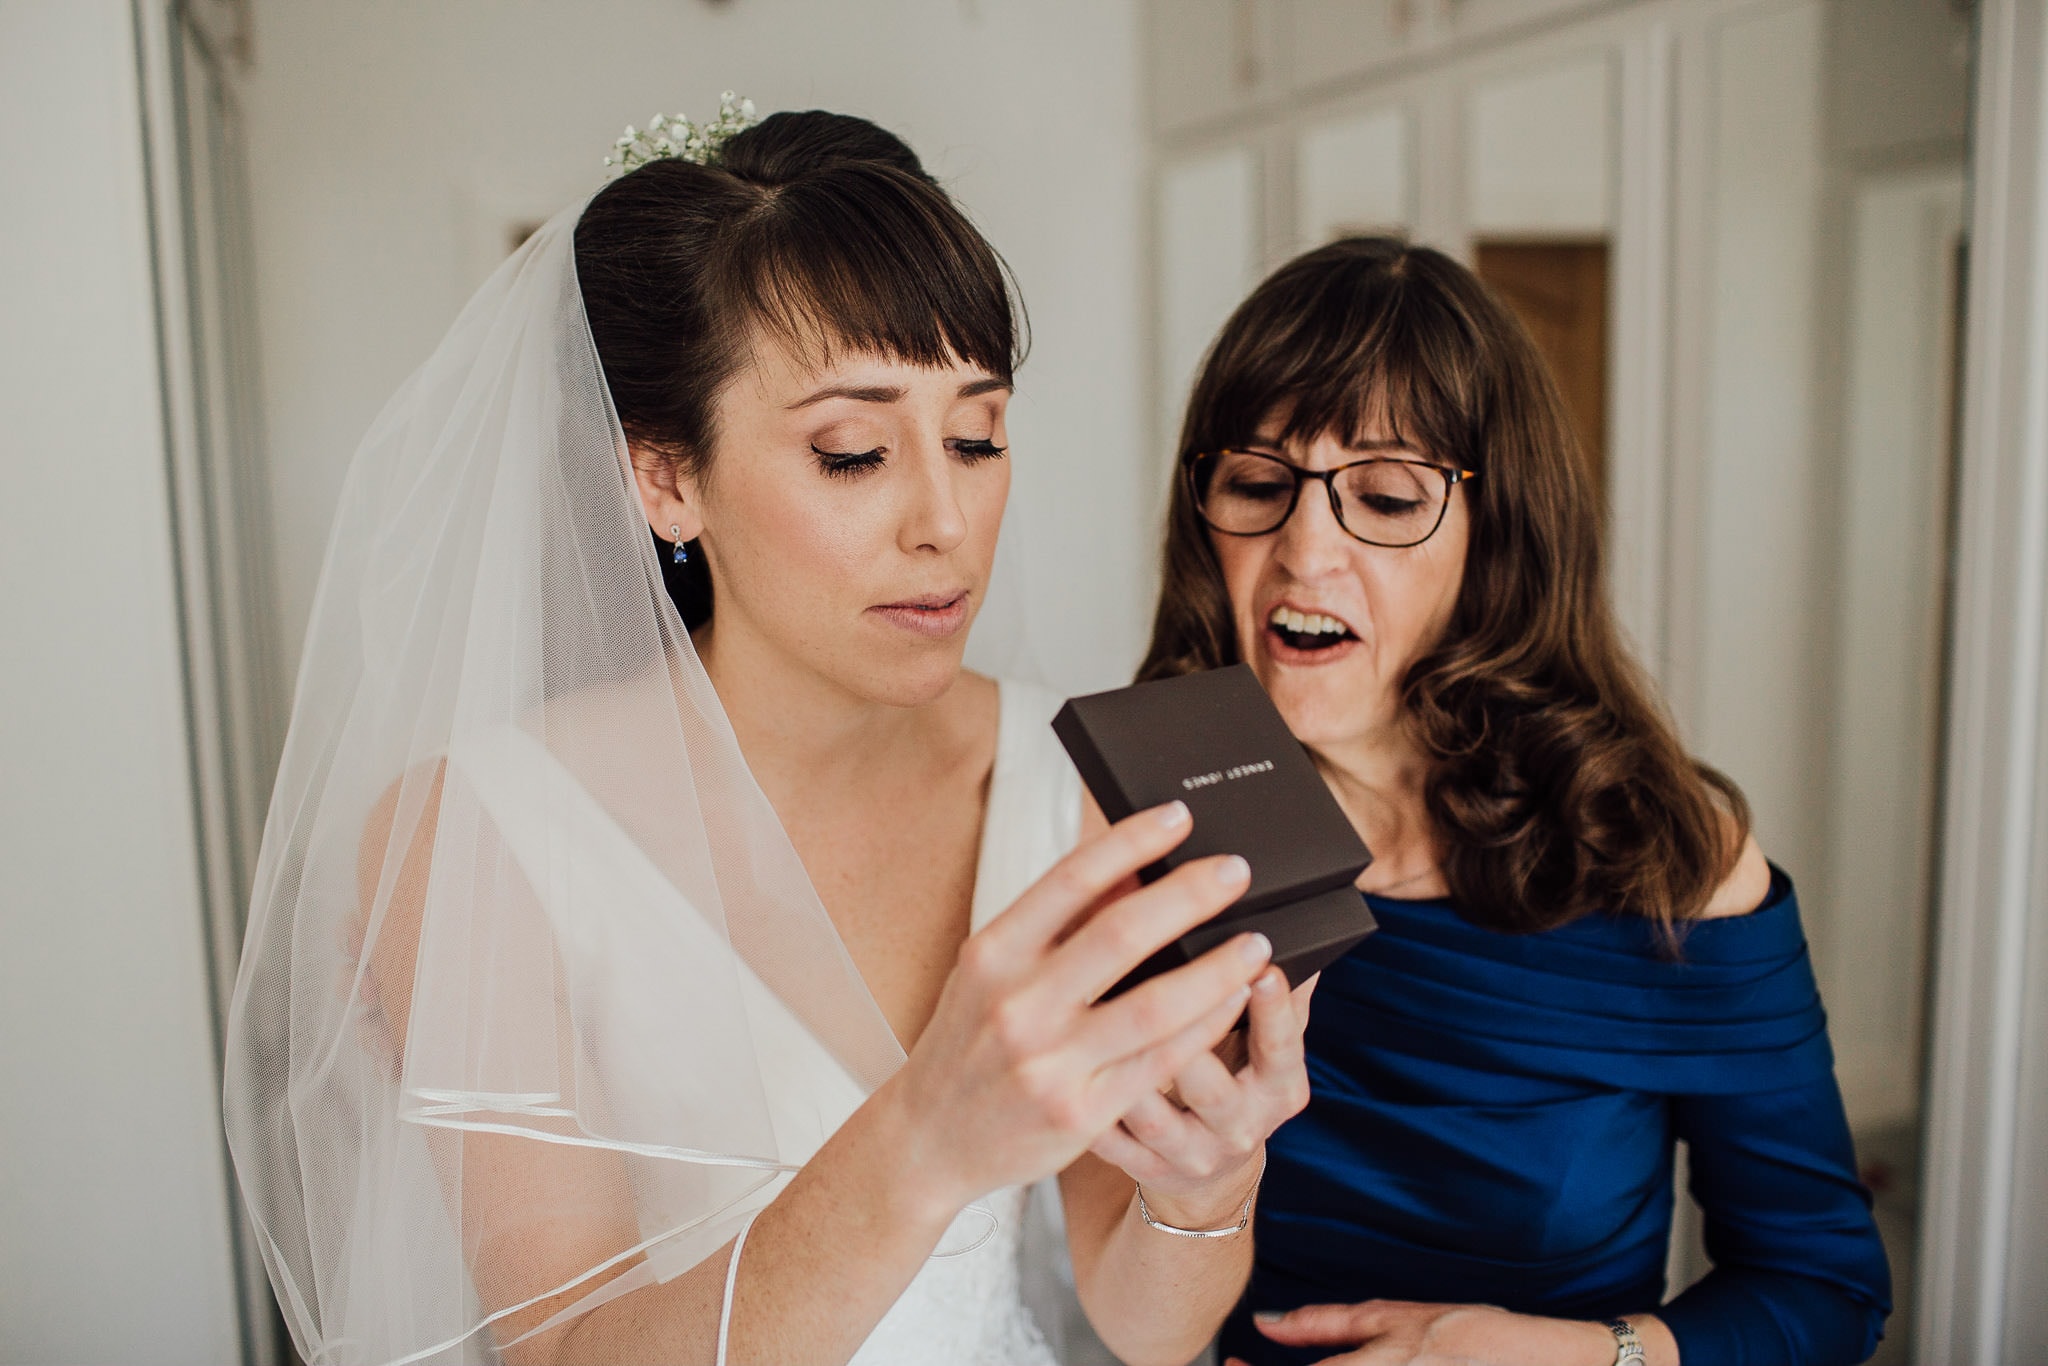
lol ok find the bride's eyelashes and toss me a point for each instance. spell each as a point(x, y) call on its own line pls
point(974, 452)
point(848, 463)
point(851, 463)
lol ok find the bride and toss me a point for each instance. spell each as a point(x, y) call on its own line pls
point(626, 984)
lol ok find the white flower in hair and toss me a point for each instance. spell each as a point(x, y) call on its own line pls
point(666, 137)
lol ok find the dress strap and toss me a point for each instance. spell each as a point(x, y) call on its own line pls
point(732, 1280)
point(1033, 816)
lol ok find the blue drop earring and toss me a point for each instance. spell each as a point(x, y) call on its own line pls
point(675, 534)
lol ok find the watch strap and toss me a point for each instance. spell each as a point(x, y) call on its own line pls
point(1628, 1348)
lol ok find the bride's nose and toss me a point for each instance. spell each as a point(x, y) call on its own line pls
point(933, 519)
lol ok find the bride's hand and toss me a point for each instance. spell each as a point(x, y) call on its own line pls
point(1018, 1073)
point(1198, 1153)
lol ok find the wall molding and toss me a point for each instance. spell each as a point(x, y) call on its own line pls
point(1983, 1126)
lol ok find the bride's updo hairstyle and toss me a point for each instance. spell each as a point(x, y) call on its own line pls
point(818, 231)
point(1559, 787)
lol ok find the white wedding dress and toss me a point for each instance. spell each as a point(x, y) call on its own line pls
point(968, 1308)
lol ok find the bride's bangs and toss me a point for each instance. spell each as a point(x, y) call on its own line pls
point(865, 259)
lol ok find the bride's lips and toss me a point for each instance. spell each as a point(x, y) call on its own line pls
point(937, 615)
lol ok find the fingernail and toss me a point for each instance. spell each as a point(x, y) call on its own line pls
point(1269, 984)
point(1255, 948)
point(1173, 815)
point(1269, 1316)
point(1232, 870)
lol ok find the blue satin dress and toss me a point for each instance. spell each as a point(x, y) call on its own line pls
point(1492, 1120)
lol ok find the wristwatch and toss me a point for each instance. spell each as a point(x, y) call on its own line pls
point(1628, 1348)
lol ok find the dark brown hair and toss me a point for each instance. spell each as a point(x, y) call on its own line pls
point(818, 230)
point(1557, 785)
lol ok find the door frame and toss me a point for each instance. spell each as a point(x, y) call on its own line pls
point(191, 56)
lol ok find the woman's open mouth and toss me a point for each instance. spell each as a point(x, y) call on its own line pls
point(936, 615)
point(1298, 637)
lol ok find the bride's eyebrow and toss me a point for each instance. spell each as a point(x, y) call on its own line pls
point(865, 393)
point(893, 393)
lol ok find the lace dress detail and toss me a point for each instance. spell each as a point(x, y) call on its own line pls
point(967, 1309)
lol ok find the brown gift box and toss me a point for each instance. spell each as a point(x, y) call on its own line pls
point(1215, 741)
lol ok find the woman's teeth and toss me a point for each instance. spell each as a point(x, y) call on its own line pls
point(1307, 623)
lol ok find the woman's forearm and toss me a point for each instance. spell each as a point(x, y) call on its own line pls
point(1153, 1298)
point(821, 1265)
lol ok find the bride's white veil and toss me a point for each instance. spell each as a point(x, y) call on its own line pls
point(450, 966)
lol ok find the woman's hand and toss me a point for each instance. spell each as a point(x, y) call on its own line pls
point(1019, 1071)
point(1198, 1153)
point(1399, 1333)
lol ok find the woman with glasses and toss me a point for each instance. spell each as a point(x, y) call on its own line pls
point(1583, 956)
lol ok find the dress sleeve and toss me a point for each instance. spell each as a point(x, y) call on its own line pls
point(1800, 1275)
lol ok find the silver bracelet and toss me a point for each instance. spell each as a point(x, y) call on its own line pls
point(1244, 1215)
point(1628, 1348)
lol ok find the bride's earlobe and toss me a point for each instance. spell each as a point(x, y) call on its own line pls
point(660, 484)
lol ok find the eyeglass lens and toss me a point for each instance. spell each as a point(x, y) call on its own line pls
point(1387, 502)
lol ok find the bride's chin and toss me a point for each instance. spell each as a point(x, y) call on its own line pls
point(914, 682)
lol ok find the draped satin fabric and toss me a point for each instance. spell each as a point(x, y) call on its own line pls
point(1493, 1119)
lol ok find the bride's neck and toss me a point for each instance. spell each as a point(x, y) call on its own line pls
point(798, 729)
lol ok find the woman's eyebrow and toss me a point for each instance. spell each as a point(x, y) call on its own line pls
point(865, 393)
point(988, 384)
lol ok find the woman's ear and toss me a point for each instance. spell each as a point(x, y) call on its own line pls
point(667, 496)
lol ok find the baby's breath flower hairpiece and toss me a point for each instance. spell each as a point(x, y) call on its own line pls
point(666, 137)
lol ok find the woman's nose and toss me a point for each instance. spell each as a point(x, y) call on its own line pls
point(934, 519)
point(1312, 542)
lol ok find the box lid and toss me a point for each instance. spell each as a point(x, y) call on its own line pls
point(1215, 741)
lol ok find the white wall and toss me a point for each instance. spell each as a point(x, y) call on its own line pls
point(1761, 661)
point(1539, 152)
point(390, 142)
point(113, 1202)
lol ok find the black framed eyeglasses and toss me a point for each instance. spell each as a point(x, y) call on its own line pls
point(1389, 501)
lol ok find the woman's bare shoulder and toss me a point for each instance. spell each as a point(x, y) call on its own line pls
point(1746, 885)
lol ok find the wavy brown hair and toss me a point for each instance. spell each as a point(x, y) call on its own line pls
point(1558, 786)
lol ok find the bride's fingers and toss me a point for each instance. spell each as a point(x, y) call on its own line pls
point(1186, 1143)
point(1116, 1147)
point(1125, 933)
point(1159, 1008)
point(1241, 1108)
point(1094, 867)
point(1220, 1101)
point(1275, 1048)
point(1119, 1085)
